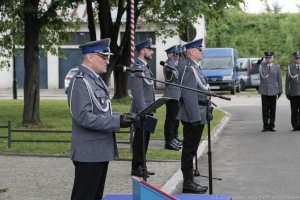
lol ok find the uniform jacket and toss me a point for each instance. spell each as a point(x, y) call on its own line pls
point(292, 84)
point(93, 129)
point(142, 89)
point(270, 80)
point(172, 76)
point(193, 77)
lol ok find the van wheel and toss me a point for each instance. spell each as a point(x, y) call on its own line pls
point(243, 85)
point(233, 89)
point(238, 88)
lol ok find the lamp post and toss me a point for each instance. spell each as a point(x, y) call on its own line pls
point(15, 95)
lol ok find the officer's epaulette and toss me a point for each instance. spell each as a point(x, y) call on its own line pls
point(80, 74)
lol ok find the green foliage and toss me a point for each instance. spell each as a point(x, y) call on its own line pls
point(181, 13)
point(51, 20)
point(252, 34)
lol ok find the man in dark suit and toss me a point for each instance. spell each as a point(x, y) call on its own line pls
point(94, 124)
point(192, 112)
point(142, 91)
point(270, 89)
point(292, 90)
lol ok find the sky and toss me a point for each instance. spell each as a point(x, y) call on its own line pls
point(288, 6)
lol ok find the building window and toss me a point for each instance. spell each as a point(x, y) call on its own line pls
point(77, 38)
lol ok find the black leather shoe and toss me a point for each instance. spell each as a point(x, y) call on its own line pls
point(172, 146)
point(192, 187)
point(138, 173)
point(272, 130)
point(178, 143)
point(150, 173)
point(264, 130)
point(178, 139)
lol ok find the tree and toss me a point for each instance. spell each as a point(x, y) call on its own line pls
point(37, 24)
point(252, 34)
point(155, 12)
point(274, 8)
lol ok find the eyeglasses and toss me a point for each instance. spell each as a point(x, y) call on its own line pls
point(101, 56)
point(200, 49)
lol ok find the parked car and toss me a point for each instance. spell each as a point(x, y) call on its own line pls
point(68, 77)
point(221, 69)
point(249, 72)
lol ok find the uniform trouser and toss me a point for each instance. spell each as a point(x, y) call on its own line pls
point(171, 123)
point(268, 110)
point(137, 148)
point(191, 139)
point(295, 111)
point(89, 180)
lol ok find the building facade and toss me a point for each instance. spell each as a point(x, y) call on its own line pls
point(53, 68)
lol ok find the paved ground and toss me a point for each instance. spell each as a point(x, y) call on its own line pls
point(253, 165)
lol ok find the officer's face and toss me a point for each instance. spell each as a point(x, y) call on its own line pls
point(148, 53)
point(198, 53)
point(297, 61)
point(170, 55)
point(100, 63)
point(269, 59)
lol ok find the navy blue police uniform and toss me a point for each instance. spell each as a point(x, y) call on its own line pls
point(142, 91)
point(192, 113)
point(171, 73)
point(94, 125)
point(270, 89)
point(292, 90)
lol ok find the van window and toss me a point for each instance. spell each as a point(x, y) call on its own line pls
point(216, 63)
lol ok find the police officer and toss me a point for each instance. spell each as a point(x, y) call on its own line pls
point(171, 73)
point(142, 91)
point(292, 90)
point(192, 112)
point(94, 124)
point(270, 89)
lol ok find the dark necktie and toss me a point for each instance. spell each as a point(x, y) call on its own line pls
point(269, 67)
point(298, 67)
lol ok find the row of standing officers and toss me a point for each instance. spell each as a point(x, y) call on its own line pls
point(186, 106)
point(271, 89)
point(94, 123)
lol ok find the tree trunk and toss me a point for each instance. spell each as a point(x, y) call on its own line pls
point(31, 114)
point(122, 52)
point(91, 22)
point(121, 78)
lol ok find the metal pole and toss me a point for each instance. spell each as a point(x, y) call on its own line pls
point(132, 32)
point(9, 134)
point(15, 95)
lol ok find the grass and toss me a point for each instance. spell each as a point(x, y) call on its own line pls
point(55, 115)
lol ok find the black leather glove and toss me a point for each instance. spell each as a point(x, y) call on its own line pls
point(278, 95)
point(126, 119)
point(288, 97)
point(259, 61)
point(209, 114)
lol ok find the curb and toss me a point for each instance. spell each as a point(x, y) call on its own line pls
point(173, 185)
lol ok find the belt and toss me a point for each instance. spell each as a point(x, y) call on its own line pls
point(202, 103)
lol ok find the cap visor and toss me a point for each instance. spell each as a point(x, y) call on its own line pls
point(105, 53)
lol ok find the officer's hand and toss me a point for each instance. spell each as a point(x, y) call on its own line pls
point(278, 95)
point(126, 119)
point(288, 97)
